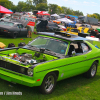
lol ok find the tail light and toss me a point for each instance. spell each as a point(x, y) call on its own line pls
point(5, 30)
point(96, 31)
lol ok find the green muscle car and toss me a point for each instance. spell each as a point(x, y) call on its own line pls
point(49, 58)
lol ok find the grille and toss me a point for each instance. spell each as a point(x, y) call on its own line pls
point(13, 67)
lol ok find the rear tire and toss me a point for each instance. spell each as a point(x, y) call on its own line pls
point(48, 83)
point(14, 35)
point(92, 71)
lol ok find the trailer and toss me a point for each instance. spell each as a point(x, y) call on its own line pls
point(88, 20)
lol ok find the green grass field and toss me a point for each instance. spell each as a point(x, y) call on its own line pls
point(74, 88)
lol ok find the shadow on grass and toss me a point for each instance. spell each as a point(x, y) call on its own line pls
point(62, 87)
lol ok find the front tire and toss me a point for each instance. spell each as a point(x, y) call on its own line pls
point(92, 71)
point(14, 35)
point(48, 83)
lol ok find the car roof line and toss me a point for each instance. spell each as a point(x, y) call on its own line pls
point(63, 35)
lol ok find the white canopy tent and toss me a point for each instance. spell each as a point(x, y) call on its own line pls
point(54, 15)
point(66, 20)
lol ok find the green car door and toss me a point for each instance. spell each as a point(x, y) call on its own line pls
point(77, 63)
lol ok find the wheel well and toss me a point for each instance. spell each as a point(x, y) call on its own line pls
point(97, 61)
point(56, 72)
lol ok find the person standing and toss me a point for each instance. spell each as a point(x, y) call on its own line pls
point(29, 35)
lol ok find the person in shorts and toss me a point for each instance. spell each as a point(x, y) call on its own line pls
point(29, 35)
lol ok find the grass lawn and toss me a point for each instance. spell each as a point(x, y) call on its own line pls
point(75, 88)
point(7, 40)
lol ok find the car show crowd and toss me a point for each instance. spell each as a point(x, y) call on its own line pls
point(24, 23)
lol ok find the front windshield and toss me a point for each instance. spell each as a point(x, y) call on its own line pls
point(54, 45)
point(6, 23)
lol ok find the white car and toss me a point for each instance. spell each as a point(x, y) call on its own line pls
point(6, 18)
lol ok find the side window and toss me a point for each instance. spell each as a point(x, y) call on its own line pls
point(79, 48)
point(72, 48)
point(85, 47)
point(20, 26)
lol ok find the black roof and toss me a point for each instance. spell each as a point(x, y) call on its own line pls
point(64, 35)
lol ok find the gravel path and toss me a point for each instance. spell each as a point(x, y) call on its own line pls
point(92, 26)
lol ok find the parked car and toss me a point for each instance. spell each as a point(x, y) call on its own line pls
point(86, 25)
point(45, 26)
point(98, 29)
point(6, 18)
point(12, 29)
point(88, 29)
point(48, 59)
point(76, 31)
point(63, 15)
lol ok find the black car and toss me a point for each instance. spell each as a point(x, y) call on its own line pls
point(12, 29)
point(45, 26)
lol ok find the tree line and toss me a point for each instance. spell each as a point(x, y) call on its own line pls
point(42, 5)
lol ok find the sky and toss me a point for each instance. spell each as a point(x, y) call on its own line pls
point(86, 6)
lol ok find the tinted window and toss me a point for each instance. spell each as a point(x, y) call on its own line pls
point(6, 23)
point(20, 26)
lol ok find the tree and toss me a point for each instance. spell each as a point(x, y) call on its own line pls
point(6, 3)
point(53, 8)
point(64, 9)
point(20, 6)
point(59, 10)
point(78, 13)
point(35, 2)
point(98, 16)
point(42, 7)
point(29, 6)
point(25, 6)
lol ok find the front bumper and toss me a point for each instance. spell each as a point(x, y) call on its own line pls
point(17, 78)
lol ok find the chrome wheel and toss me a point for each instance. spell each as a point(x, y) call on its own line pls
point(93, 70)
point(49, 84)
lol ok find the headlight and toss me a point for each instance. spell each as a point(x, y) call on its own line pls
point(30, 71)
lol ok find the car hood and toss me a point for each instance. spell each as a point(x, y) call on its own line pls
point(42, 23)
point(23, 22)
